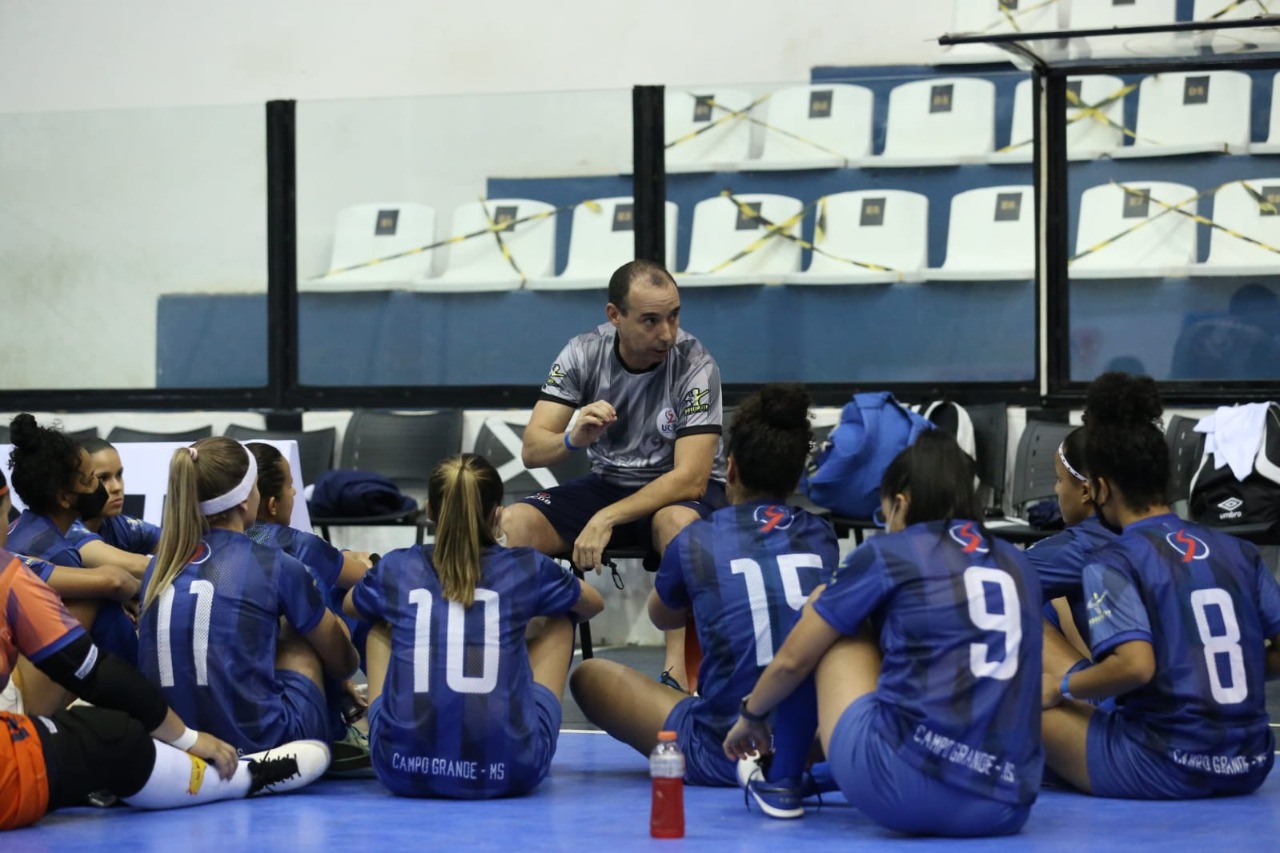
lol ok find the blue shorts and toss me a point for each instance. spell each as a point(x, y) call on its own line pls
point(1120, 766)
point(114, 631)
point(704, 759)
point(520, 780)
point(569, 507)
point(887, 789)
point(305, 711)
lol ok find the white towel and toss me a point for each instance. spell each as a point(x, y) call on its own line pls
point(1233, 434)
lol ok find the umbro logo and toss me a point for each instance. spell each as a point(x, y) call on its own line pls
point(1231, 504)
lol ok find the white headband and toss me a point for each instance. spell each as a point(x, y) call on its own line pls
point(222, 503)
point(1065, 464)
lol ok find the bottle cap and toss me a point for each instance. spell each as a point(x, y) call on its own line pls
point(664, 737)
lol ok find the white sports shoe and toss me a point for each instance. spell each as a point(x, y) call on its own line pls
point(287, 767)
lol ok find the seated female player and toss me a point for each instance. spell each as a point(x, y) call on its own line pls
point(470, 648)
point(746, 572)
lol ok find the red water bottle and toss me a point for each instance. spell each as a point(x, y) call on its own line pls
point(666, 767)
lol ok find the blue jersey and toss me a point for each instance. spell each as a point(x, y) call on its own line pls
point(38, 537)
point(1205, 601)
point(1060, 560)
point(746, 571)
point(119, 531)
point(958, 615)
point(322, 559)
point(209, 640)
point(458, 702)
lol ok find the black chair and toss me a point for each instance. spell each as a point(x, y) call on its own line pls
point(611, 556)
point(991, 440)
point(499, 442)
point(1034, 476)
point(1186, 447)
point(126, 434)
point(315, 448)
point(402, 447)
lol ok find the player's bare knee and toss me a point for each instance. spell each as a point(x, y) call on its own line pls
point(524, 526)
point(669, 521)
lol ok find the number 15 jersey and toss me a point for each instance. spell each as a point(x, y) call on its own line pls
point(458, 715)
point(958, 619)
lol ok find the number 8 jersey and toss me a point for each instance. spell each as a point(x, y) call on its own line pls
point(958, 620)
point(1205, 602)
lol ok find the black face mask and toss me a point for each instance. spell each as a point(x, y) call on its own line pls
point(90, 504)
point(1102, 519)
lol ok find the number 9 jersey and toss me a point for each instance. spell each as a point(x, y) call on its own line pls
point(460, 715)
point(958, 620)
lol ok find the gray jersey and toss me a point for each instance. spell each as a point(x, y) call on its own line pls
point(680, 396)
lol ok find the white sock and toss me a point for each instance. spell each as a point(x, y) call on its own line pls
point(180, 779)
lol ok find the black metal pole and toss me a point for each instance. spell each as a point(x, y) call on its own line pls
point(282, 254)
point(1054, 184)
point(649, 176)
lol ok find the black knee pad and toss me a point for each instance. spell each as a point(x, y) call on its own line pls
point(98, 749)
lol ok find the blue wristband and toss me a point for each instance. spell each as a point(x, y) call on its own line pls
point(1066, 694)
point(568, 446)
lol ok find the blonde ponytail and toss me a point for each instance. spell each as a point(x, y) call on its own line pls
point(182, 527)
point(464, 492)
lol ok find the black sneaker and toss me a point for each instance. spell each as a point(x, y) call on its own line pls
point(287, 767)
point(351, 756)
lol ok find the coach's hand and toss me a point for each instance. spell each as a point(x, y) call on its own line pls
point(588, 548)
point(593, 420)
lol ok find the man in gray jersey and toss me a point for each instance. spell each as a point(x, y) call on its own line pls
point(649, 416)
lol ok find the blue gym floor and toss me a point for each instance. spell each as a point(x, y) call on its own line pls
point(596, 800)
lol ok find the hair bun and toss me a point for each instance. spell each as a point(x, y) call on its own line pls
point(1124, 400)
point(24, 432)
point(785, 406)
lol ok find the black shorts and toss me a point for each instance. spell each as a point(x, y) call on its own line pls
point(90, 749)
point(569, 507)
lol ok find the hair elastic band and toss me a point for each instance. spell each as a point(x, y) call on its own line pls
point(1065, 464)
point(193, 453)
point(221, 503)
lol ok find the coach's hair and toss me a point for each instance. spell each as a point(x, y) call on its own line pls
point(938, 477)
point(769, 439)
point(652, 274)
point(463, 493)
point(1124, 440)
point(216, 467)
point(45, 462)
point(270, 472)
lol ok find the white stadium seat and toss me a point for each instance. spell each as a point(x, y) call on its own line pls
point(1272, 145)
point(478, 264)
point(603, 239)
point(814, 127)
point(887, 228)
point(365, 233)
point(1188, 112)
point(995, 17)
point(1089, 136)
point(1108, 14)
point(1156, 241)
point(1252, 208)
point(727, 142)
point(722, 229)
point(991, 236)
point(939, 121)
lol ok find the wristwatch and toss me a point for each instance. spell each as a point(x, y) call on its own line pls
point(747, 715)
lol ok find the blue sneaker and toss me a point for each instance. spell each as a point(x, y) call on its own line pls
point(783, 799)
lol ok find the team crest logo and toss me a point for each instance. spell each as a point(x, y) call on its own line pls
point(667, 422)
point(695, 401)
point(554, 377)
point(1190, 547)
point(542, 497)
point(968, 538)
point(202, 554)
point(773, 518)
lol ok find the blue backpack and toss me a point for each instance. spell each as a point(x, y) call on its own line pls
point(844, 476)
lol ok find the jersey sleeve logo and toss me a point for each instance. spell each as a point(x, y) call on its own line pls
point(773, 518)
point(695, 402)
point(1189, 546)
point(553, 378)
point(1097, 607)
point(968, 538)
